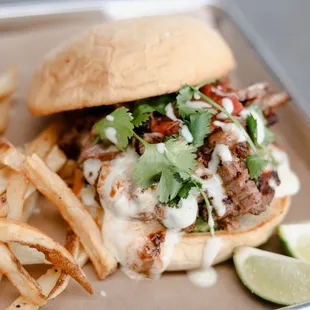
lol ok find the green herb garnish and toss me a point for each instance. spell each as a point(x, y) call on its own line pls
point(122, 123)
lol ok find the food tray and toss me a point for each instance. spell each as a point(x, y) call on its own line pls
point(24, 42)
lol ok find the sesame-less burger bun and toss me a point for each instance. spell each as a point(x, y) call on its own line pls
point(254, 230)
point(122, 61)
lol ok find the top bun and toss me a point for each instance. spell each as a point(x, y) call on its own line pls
point(126, 60)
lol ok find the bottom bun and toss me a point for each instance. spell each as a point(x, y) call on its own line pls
point(253, 230)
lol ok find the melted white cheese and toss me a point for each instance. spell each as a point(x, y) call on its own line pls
point(232, 129)
point(228, 106)
point(185, 214)
point(111, 133)
point(206, 275)
point(198, 104)
point(186, 134)
point(87, 196)
point(161, 148)
point(91, 168)
point(170, 112)
point(110, 118)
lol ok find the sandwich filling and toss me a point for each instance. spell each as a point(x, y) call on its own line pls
point(189, 162)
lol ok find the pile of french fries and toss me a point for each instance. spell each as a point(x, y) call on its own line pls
point(42, 167)
point(8, 85)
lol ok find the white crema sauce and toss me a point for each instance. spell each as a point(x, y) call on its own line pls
point(124, 234)
point(206, 276)
point(290, 184)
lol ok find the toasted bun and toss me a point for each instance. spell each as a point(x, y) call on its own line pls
point(122, 61)
point(254, 230)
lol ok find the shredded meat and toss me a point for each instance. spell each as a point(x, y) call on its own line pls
point(263, 186)
point(261, 93)
point(152, 138)
point(204, 154)
point(252, 92)
point(243, 194)
point(271, 102)
point(221, 137)
point(98, 151)
point(240, 150)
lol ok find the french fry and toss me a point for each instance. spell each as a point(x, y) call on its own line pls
point(15, 194)
point(53, 282)
point(77, 181)
point(20, 278)
point(10, 156)
point(8, 85)
point(72, 210)
point(49, 137)
point(4, 209)
point(67, 171)
point(13, 231)
point(8, 82)
point(64, 279)
point(5, 106)
point(30, 204)
point(4, 177)
point(72, 245)
point(56, 158)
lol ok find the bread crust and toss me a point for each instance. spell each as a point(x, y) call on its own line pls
point(254, 230)
point(126, 60)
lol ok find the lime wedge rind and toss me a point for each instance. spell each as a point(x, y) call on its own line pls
point(276, 278)
point(291, 237)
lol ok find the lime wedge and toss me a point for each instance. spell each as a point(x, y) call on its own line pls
point(273, 277)
point(296, 240)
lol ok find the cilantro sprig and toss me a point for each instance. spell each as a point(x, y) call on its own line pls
point(232, 118)
point(144, 107)
point(154, 166)
point(121, 122)
point(199, 126)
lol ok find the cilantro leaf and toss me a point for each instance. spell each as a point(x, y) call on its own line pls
point(180, 154)
point(168, 186)
point(154, 166)
point(185, 94)
point(255, 165)
point(185, 189)
point(199, 126)
point(252, 127)
point(149, 166)
point(143, 107)
point(121, 123)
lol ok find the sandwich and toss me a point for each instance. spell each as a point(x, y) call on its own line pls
point(172, 152)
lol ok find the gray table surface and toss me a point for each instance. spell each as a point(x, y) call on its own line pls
point(279, 30)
